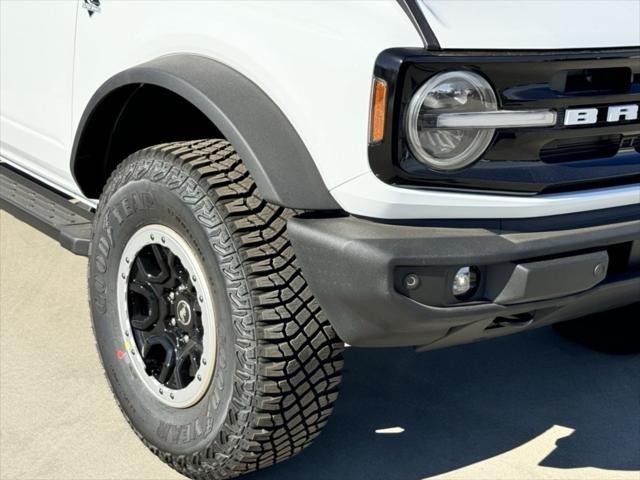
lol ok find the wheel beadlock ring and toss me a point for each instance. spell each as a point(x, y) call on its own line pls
point(155, 236)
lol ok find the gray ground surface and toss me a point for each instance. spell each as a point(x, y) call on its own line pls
point(530, 406)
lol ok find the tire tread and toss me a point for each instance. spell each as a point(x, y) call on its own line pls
point(289, 359)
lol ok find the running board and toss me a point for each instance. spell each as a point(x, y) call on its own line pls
point(46, 210)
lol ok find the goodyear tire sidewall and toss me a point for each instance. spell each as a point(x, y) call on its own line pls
point(131, 207)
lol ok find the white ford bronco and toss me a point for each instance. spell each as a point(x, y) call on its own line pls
point(256, 182)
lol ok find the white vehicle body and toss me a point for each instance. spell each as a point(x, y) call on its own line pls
point(257, 183)
point(533, 25)
point(313, 59)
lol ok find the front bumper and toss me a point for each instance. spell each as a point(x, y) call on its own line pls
point(564, 269)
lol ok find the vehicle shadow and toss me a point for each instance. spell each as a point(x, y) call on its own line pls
point(461, 405)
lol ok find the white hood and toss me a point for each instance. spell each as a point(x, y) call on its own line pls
point(533, 24)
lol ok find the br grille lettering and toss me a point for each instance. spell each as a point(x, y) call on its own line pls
point(589, 116)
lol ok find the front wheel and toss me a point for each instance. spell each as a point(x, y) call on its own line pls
point(214, 347)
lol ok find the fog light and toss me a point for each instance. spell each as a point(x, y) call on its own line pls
point(465, 282)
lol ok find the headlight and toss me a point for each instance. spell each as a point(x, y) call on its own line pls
point(449, 92)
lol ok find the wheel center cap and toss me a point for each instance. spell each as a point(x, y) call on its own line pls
point(183, 312)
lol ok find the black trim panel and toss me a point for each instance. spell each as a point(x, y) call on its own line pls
point(266, 141)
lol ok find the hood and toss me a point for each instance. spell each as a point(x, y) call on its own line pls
point(533, 24)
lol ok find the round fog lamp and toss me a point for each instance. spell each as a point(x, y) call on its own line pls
point(465, 282)
point(442, 148)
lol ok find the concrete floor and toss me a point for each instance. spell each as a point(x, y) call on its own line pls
point(531, 406)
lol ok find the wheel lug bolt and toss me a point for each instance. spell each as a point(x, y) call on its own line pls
point(199, 377)
point(128, 260)
point(152, 237)
point(161, 392)
point(193, 278)
point(123, 276)
point(133, 352)
point(171, 395)
point(126, 333)
point(201, 299)
point(204, 361)
point(162, 239)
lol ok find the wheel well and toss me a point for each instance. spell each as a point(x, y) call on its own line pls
point(130, 118)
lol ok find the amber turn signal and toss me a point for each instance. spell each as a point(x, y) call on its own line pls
point(378, 110)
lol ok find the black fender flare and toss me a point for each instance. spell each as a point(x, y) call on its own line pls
point(268, 144)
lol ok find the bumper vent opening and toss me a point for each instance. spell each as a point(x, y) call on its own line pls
point(520, 320)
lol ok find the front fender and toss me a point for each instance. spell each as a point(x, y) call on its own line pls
point(271, 148)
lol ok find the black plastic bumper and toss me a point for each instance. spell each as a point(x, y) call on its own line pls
point(357, 271)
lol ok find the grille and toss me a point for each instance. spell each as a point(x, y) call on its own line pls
point(574, 149)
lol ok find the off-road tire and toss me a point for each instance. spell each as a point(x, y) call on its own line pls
point(278, 361)
point(615, 331)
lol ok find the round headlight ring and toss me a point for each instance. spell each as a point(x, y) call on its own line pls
point(476, 140)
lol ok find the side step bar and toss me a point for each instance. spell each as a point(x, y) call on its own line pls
point(45, 209)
